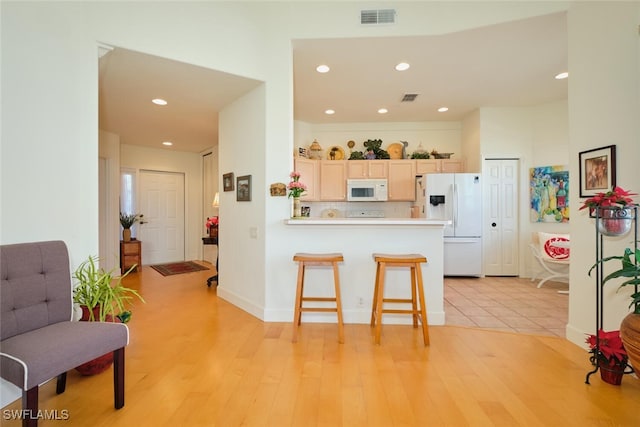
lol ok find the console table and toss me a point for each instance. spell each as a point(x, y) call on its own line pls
point(130, 255)
point(212, 241)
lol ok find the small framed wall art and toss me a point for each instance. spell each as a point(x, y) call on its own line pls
point(597, 170)
point(227, 181)
point(243, 186)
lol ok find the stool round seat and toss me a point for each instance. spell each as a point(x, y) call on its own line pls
point(305, 260)
point(332, 257)
point(417, 311)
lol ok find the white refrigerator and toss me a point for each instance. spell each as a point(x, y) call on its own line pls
point(456, 197)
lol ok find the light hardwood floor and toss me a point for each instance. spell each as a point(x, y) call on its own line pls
point(196, 360)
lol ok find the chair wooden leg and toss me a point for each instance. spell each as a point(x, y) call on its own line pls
point(118, 378)
point(30, 407)
point(297, 314)
point(336, 281)
point(414, 298)
point(61, 383)
point(375, 295)
point(423, 308)
point(380, 300)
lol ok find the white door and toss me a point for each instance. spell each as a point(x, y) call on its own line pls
point(161, 202)
point(500, 217)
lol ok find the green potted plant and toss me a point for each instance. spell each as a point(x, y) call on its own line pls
point(630, 326)
point(101, 294)
point(127, 221)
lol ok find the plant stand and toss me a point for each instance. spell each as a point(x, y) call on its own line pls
point(608, 214)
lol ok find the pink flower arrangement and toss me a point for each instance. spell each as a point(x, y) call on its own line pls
point(611, 198)
point(212, 222)
point(295, 187)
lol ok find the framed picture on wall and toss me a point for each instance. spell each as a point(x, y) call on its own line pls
point(243, 186)
point(227, 181)
point(597, 170)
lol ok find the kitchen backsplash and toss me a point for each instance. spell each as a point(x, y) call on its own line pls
point(341, 209)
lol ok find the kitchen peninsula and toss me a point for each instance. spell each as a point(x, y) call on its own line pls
point(357, 239)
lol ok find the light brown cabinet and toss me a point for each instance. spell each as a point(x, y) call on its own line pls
point(333, 180)
point(402, 180)
point(309, 176)
point(357, 169)
point(130, 255)
point(439, 166)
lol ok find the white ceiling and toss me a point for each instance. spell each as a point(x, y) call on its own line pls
point(505, 65)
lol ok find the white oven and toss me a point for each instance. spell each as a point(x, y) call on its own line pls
point(367, 190)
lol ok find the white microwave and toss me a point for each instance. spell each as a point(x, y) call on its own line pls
point(367, 190)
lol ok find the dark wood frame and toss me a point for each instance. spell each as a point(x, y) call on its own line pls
point(606, 155)
point(227, 181)
point(241, 195)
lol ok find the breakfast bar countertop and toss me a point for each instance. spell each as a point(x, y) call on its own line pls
point(366, 221)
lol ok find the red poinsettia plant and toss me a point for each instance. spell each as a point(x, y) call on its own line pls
point(295, 187)
point(612, 198)
point(609, 347)
point(212, 222)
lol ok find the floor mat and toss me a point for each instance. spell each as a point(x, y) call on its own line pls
point(178, 268)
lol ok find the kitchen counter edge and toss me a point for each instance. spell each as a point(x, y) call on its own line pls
point(367, 221)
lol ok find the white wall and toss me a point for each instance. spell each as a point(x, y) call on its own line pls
point(189, 164)
point(471, 142)
point(604, 107)
point(537, 136)
point(109, 152)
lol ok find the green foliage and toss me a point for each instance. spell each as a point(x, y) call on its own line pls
point(629, 269)
point(356, 155)
point(374, 145)
point(423, 155)
point(127, 220)
point(97, 287)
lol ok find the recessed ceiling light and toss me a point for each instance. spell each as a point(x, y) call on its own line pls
point(402, 66)
point(159, 101)
point(329, 112)
point(443, 109)
point(562, 76)
point(383, 111)
point(167, 143)
point(322, 68)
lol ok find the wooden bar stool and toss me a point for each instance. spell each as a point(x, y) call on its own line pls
point(413, 262)
point(306, 260)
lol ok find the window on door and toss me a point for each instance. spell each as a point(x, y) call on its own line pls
point(128, 191)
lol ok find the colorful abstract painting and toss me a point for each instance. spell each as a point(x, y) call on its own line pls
point(549, 194)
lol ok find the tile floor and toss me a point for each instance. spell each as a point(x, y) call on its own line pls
point(506, 304)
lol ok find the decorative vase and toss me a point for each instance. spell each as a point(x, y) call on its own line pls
point(126, 234)
point(213, 232)
point(297, 207)
point(612, 374)
point(630, 335)
point(102, 363)
point(615, 222)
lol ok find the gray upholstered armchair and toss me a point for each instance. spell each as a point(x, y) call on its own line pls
point(39, 339)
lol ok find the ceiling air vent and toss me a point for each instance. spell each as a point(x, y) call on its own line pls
point(409, 97)
point(379, 16)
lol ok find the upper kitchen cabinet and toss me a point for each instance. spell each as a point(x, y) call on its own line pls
point(333, 180)
point(439, 166)
point(309, 176)
point(367, 169)
point(402, 180)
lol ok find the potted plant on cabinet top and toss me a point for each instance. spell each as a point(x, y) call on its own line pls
point(127, 221)
point(101, 298)
point(630, 326)
point(611, 210)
